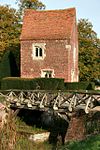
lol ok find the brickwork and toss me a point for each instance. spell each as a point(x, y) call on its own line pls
point(55, 59)
point(76, 130)
point(59, 48)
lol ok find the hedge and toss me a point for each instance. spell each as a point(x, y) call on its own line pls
point(80, 86)
point(16, 83)
point(0, 83)
point(44, 84)
point(32, 84)
point(49, 83)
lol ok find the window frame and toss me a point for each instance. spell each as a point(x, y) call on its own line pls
point(43, 71)
point(38, 51)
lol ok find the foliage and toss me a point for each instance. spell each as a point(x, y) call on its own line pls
point(91, 143)
point(31, 84)
point(24, 143)
point(97, 82)
point(8, 66)
point(92, 123)
point(89, 51)
point(16, 83)
point(23, 127)
point(30, 4)
point(8, 133)
point(49, 83)
point(9, 29)
point(5, 70)
point(79, 86)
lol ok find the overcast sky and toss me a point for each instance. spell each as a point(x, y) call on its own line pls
point(88, 9)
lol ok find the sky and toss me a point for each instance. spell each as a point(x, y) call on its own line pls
point(88, 9)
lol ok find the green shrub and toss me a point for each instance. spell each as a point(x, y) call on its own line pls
point(79, 86)
point(43, 84)
point(5, 70)
point(49, 83)
point(0, 84)
point(92, 123)
point(90, 143)
point(8, 66)
point(32, 84)
point(17, 83)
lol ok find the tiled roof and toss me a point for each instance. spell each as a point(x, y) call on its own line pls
point(51, 24)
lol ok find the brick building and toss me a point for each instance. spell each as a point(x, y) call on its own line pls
point(49, 44)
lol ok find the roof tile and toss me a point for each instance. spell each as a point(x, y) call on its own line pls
point(51, 24)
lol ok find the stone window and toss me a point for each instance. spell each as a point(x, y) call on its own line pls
point(47, 73)
point(38, 51)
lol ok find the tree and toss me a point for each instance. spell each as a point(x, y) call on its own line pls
point(30, 4)
point(8, 66)
point(89, 51)
point(9, 29)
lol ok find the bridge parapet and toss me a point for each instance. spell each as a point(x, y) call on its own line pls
point(60, 101)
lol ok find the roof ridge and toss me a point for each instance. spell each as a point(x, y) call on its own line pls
point(49, 10)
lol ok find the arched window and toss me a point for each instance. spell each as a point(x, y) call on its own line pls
point(38, 51)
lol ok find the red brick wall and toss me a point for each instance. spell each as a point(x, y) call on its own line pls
point(58, 57)
point(76, 130)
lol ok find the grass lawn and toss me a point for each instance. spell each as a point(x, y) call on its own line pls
point(24, 144)
point(91, 143)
